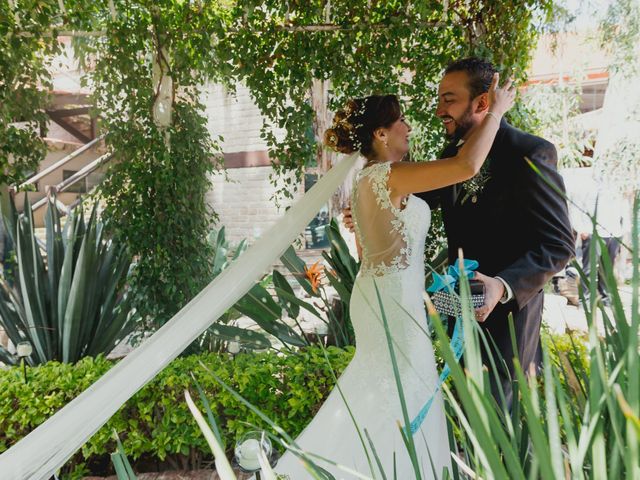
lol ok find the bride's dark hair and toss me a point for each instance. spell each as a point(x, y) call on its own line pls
point(353, 126)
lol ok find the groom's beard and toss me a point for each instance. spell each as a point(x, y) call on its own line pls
point(464, 124)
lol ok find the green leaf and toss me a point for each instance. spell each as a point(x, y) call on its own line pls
point(249, 338)
point(296, 266)
point(121, 463)
point(281, 285)
point(258, 305)
point(32, 281)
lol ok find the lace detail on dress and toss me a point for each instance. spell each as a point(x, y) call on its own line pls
point(392, 240)
point(381, 227)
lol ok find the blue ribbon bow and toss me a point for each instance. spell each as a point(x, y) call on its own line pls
point(450, 279)
point(439, 283)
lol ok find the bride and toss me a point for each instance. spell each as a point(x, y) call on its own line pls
point(391, 226)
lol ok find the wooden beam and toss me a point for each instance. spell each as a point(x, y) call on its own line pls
point(69, 112)
point(61, 99)
point(68, 127)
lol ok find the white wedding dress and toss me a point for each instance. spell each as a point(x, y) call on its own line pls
point(392, 242)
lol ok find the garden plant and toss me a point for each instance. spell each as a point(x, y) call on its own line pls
point(70, 300)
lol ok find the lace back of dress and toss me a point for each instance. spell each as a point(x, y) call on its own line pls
point(379, 227)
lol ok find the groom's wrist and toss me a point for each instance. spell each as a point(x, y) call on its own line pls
point(507, 295)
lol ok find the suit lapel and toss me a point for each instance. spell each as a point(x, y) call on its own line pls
point(489, 165)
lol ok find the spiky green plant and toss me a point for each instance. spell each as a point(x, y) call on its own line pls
point(566, 423)
point(120, 462)
point(267, 309)
point(71, 301)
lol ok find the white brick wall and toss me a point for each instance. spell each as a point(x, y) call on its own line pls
point(235, 117)
point(243, 203)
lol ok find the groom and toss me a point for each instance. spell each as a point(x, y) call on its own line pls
point(508, 217)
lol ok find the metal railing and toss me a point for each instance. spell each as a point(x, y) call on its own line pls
point(60, 163)
point(72, 180)
point(75, 178)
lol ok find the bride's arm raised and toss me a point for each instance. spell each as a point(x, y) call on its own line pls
point(411, 177)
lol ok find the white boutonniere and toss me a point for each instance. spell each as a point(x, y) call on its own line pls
point(475, 185)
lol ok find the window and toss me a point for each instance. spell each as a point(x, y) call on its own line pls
point(592, 96)
point(315, 235)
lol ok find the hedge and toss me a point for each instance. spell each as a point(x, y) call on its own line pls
point(155, 425)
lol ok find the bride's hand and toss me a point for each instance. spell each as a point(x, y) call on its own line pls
point(502, 98)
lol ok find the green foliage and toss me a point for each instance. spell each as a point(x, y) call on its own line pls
point(620, 34)
point(270, 310)
point(153, 59)
point(553, 106)
point(579, 418)
point(155, 203)
point(156, 422)
point(620, 164)
point(25, 55)
point(278, 49)
point(75, 303)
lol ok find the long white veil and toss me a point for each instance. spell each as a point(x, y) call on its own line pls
point(49, 446)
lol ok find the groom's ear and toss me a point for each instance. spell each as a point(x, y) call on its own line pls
point(482, 102)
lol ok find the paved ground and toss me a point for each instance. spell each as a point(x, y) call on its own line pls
point(562, 317)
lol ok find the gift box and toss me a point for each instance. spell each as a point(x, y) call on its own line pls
point(449, 303)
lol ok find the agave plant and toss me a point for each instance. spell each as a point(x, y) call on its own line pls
point(69, 301)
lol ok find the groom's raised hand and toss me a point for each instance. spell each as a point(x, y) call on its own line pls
point(493, 291)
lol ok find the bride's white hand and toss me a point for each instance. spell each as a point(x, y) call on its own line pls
point(501, 99)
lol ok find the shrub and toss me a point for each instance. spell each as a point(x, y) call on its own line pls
point(155, 425)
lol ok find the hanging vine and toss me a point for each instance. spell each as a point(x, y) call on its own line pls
point(26, 51)
point(150, 61)
point(362, 47)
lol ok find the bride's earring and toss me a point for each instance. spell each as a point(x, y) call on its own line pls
point(386, 145)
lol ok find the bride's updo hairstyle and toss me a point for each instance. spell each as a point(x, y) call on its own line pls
point(353, 126)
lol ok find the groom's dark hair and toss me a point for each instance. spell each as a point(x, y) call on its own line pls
point(479, 71)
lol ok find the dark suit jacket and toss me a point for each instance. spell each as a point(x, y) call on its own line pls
point(518, 229)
